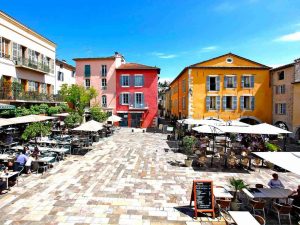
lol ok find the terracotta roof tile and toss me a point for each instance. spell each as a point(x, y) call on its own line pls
point(136, 66)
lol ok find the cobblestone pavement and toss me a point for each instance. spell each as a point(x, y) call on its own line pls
point(127, 179)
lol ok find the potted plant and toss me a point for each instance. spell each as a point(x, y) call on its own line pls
point(238, 185)
point(188, 148)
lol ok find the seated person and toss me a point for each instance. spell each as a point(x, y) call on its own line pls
point(22, 158)
point(275, 182)
point(28, 164)
point(296, 197)
point(36, 152)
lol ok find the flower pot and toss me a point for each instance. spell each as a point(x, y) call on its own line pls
point(188, 162)
point(235, 205)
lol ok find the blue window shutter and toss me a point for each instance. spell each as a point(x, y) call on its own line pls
point(234, 106)
point(224, 102)
point(132, 99)
point(252, 103)
point(207, 103)
point(131, 80)
point(207, 83)
point(235, 82)
point(242, 81)
point(225, 81)
point(218, 103)
point(143, 99)
point(276, 108)
point(120, 98)
point(143, 81)
point(121, 80)
point(252, 81)
point(218, 83)
point(242, 102)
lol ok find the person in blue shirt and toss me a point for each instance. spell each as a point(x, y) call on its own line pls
point(22, 158)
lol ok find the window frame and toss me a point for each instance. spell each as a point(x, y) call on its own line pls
point(85, 70)
point(128, 77)
point(104, 70)
point(249, 76)
point(103, 87)
point(138, 75)
point(85, 82)
point(128, 98)
point(102, 98)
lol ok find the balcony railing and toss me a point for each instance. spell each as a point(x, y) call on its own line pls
point(138, 106)
point(29, 96)
point(24, 62)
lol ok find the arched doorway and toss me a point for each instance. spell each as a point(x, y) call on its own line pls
point(250, 120)
point(281, 125)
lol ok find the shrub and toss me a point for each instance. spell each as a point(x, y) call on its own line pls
point(98, 114)
point(64, 107)
point(54, 110)
point(272, 147)
point(73, 119)
point(43, 108)
point(189, 144)
point(36, 129)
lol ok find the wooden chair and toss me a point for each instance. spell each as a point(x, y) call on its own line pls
point(259, 186)
point(245, 162)
point(202, 161)
point(258, 206)
point(228, 219)
point(231, 161)
point(260, 220)
point(223, 205)
point(282, 210)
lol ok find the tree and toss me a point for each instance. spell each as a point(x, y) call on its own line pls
point(36, 129)
point(98, 114)
point(73, 119)
point(78, 96)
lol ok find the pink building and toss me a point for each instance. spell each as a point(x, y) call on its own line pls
point(100, 73)
point(137, 95)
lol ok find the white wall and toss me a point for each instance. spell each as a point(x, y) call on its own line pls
point(68, 79)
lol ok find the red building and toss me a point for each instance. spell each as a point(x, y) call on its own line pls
point(137, 95)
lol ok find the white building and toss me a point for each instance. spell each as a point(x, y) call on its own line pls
point(26, 62)
point(65, 74)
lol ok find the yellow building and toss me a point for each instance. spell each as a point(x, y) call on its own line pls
point(228, 87)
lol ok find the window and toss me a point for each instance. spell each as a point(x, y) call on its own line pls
point(247, 103)
point(33, 86)
point(104, 101)
point(103, 84)
point(138, 80)
point(280, 89)
point(33, 56)
point(87, 83)
point(183, 86)
point(229, 102)
point(281, 75)
point(73, 73)
point(125, 80)
point(60, 76)
point(183, 103)
point(229, 60)
point(4, 47)
point(280, 108)
point(247, 81)
point(213, 83)
point(16, 51)
point(124, 99)
point(230, 81)
point(138, 100)
point(103, 70)
point(43, 88)
point(212, 103)
point(87, 70)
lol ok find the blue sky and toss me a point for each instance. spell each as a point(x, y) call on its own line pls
point(170, 34)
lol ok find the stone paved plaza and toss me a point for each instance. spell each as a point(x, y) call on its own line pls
point(127, 179)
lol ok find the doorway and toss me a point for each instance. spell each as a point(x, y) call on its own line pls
point(136, 119)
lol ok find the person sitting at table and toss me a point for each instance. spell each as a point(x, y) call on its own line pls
point(275, 182)
point(28, 164)
point(36, 152)
point(21, 159)
point(26, 150)
point(295, 195)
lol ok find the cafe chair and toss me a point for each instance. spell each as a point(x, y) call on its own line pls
point(259, 186)
point(223, 205)
point(245, 162)
point(228, 219)
point(202, 161)
point(296, 211)
point(258, 206)
point(257, 163)
point(19, 175)
point(231, 162)
point(260, 220)
point(282, 210)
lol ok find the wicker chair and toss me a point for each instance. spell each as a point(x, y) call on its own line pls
point(258, 206)
point(202, 161)
point(223, 205)
point(260, 220)
point(282, 210)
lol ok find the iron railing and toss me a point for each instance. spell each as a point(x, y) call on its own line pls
point(33, 64)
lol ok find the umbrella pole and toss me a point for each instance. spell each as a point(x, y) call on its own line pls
point(225, 155)
point(212, 157)
point(284, 143)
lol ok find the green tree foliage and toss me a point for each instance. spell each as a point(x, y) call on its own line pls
point(189, 143)
point(238, 185)
point(78, 96)
point(98, 114)
point(73, 120)
point(43, 108)
point(64, 107)
point(36, 129)
point(54, 110)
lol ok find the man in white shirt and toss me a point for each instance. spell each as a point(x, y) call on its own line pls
point(275, 182)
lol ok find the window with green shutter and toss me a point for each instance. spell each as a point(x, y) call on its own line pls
point(87, 70)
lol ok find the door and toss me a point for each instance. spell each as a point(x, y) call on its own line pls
point(136, 119)
point(124, 121)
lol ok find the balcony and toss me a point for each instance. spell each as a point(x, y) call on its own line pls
point(136, 106)
point(4, 55)
point(36, 66)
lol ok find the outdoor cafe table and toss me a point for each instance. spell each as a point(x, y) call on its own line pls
point(47, 159)
point(6, 156)
point(243, 218)
point(220, 192)
point(7, 176)
point(270, 193)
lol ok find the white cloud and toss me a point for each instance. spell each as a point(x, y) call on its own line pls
point(209, 49)
point(164, 55)
point(290, 37)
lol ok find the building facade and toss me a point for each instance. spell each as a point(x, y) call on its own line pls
point(286, 93)
point(137, 95)
point(100, 73)
point(65, 74)
point(228, 87)
point(26, 63)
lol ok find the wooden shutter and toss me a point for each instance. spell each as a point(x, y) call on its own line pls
point(225, 81)
point(242, 102)
point(252, 81)
point(234, 81)
point(208, 83)
point(207, 103)
point(243, 81)
point(218, 103)
point(252, 103)
point(131, 80)
point(224, 102)
point(217, 83)
point(234, 105)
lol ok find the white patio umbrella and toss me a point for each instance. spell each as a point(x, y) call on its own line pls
point(211, 122)
point(208, 129)
point(114, 118)
point(264, 127)
point(25, 119)
point(90, 126)
point(287, 160)
point(236, 123)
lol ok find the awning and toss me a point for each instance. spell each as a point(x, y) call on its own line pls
point(287, 160)
point(6, 106)
point(114, 118)
point(25, 119)
point(90, 126)
point(267, 127)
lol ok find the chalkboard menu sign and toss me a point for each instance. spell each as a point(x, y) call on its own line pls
point(202, 195)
